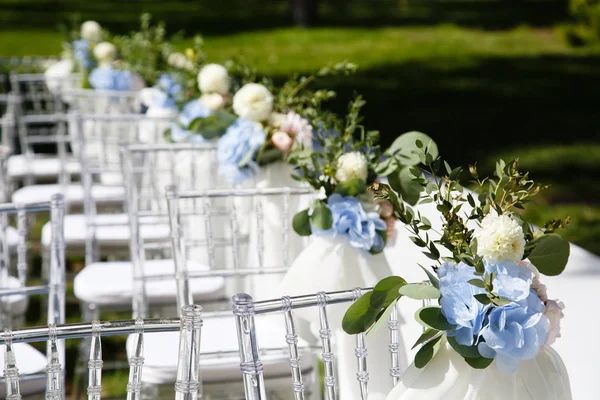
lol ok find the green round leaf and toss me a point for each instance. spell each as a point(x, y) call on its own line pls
point(465, 351)
point(386, 291)
point(420, 291)
point(402, 182)
point(360, 315)
point(321, 217)
point(426, 336)
point(301, 223)
point(550, 255)
point(405, 146)
point(432, 317)
point(479, 363)
point(427, 352)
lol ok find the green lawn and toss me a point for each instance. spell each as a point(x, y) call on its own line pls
point(481, 94)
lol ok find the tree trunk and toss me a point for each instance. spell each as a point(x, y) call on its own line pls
point(304, 12)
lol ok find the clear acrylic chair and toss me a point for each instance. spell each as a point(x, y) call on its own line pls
point(210, 227)
point(187, 385)
point(14, 291)
point(34, 96)
point(147, 170)
point(252, 366)
point(90, 101)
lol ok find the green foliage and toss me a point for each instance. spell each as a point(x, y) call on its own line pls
point(432, 317)
point(212, 126)
point(301, 223)
point(586, 28)
point(321, 217)
point(420, 291)
point(429, 334)
point(427, 352)
point(550, 254)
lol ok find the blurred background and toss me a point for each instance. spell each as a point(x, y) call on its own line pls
point(485, 78)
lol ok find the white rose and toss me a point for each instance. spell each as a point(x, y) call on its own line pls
point(91, 30)
point(105, 53)
point(180, 61)
point(254, 102)
point(500, 239)
point(55, 74)
point(351, 166)
point(554, 314)
point(214, 101)
point(213, 78)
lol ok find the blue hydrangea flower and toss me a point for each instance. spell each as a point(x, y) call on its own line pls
point(237, 148)
point(350, 219)
point(459, 305)
point(170, 90)
point(515, 332)
point(512, 281)
point(82, 53)
point(191, 110)
point(107, 78)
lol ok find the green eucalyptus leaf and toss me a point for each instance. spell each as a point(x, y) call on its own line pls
point(402, 181)
point(433, 279)
point(382, 318)
point(465, 351)
point(246, 159)
point(427, 352)
point(386, 167)
point(432, 317)
point(406, 150)
point(483, 298)
point(386, 291)
point(360, 315)
point(321, 217)
point(479, 363)
point(426, 336)
point(269, 156)
point(477, 283)
point(420, 291)
point(301, 223)
point(550, 254)
point(212, 126)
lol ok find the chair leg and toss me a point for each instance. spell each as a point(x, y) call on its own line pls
point(89, 312)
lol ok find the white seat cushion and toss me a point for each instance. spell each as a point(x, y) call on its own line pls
point(115, 233)
point(13, 237)
point(218, 335)
point(73, 193)
point(17, 303)
point(29, 361)
point(20, 165)
point(111, 283)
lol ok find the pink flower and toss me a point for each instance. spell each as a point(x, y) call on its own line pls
point(297, 127)
point(386, 209)
point(554, 314)
point(282, 141)
point(391, 224)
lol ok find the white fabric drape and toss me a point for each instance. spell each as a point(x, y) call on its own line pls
point(331, 264)
point(448, 377)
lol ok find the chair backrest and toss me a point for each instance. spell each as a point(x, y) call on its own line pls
point(97, 146)
point(245, 309)
point(55, 288)
point(187, 384)
point(147, 170)
point(34, 96)
point(89, 101)
point(234, 233)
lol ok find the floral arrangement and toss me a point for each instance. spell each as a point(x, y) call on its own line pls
point(263, 122)
point(491, 302)
point(341, 168)
point(80, 44)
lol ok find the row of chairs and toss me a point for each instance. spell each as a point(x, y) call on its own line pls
point(155, 251)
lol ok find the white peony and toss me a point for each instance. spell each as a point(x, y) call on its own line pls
point(213, 78)
point(351, 166)
point(180, 61)
point(554, 314)
point(91, 30)
point(55, 74)
point(500, 239)
point(214, 101)
point(105, 53)
point(254, 102)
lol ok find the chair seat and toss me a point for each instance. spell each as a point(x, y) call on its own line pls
point(73, 193)
point(17, 303)
point(218, 335)
point(115, 233)
point(20, 165)
point(111, 283)
point(29, 361)
point(13, 238)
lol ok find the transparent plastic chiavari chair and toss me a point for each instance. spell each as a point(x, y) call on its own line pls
point(14, 291)
point(90, 101)
point(206, 228)
point(252, 363)
point(147, 170)
point(187, 328)
point(34, 96)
